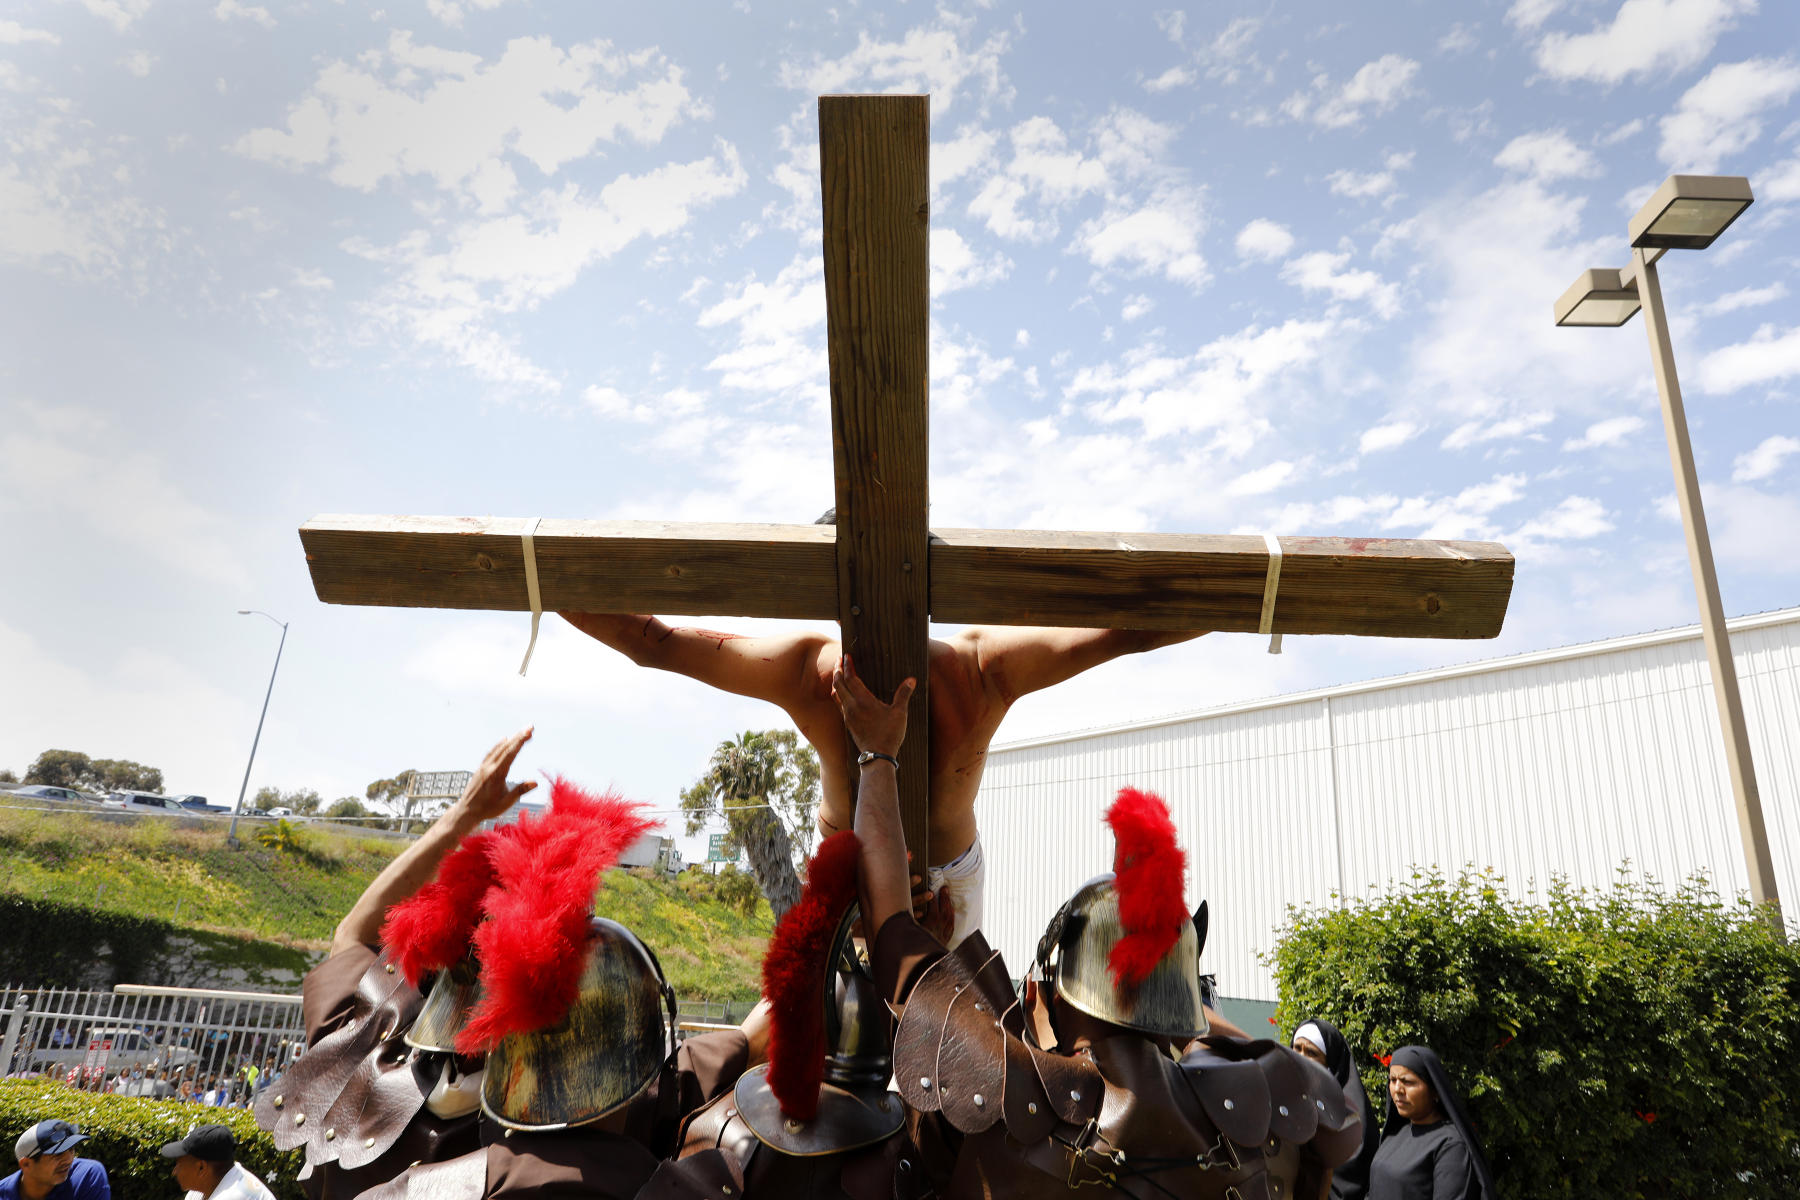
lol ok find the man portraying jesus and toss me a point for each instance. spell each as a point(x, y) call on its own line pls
point(975, 677)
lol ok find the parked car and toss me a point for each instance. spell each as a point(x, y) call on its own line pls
point(45, 791)
point(198, 804)
point(281, 812)
point(145, 802)
point(130, 1048)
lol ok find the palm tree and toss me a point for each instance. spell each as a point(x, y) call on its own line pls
point(763, 784)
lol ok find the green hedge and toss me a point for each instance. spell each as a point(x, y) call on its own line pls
point(127, 1135)
point(1633, 1043)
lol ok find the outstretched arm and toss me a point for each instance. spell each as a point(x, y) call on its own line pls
point(488, 795)
point(886, 887)
point(1017, 660)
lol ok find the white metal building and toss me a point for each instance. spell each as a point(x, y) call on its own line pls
point(1568, 761)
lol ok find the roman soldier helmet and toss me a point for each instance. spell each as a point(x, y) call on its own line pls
point(1123, 948)
point(574, 1012)
point(825, 1087)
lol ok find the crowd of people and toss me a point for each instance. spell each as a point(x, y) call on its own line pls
point(476, 1032)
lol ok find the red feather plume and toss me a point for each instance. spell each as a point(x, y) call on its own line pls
point(793, 969)
point(431, 929)
point(1149, 869)
point(533, 947)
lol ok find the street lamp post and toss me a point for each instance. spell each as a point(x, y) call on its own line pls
point(1687, 213)
point(231, 834)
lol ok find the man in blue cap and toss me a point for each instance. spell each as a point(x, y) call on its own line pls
point(49, 1169)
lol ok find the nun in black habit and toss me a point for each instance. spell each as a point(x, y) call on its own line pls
point(1428, 1149)
point(1351, 1180)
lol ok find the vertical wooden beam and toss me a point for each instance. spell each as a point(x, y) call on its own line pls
point(873, 166)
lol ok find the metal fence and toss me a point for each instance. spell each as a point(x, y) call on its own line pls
point(168, 1042)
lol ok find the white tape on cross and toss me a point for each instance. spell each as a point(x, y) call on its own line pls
point(531, 587)
point(1271, 585)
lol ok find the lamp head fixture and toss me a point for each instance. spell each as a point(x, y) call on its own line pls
point(1603, 297)
point(1689, 211)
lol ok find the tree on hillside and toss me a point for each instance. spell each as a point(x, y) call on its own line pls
point(300, 800)
point(346, 807)
point(73, 769)
point(391, 796)
point(6, 775)
point(764, 785)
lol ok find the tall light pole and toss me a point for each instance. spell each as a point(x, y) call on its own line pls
point(231, 834)
point(1687, 213)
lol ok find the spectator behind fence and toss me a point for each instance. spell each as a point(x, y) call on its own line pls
point(206, 1165)
point(49, 1168)
point(1428, 1147)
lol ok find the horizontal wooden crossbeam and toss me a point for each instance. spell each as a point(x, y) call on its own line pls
point(1380, 587)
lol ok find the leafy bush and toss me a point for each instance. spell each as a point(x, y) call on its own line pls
point(127, 1135)
point(1631, 1043)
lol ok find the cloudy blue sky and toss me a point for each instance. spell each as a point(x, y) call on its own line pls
point(1230, 268)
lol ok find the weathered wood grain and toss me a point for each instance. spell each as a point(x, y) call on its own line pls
point(1375, 587)
point(587, 566)
point(875, 182)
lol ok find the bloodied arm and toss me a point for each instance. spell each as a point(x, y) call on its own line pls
point(487, 796)
point(881, 728)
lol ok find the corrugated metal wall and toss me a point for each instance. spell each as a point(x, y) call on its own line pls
point(1564, 762)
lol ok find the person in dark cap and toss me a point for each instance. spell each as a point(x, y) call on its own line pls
point(206, 1165)
point(49, 1168)
point(1428, 1147)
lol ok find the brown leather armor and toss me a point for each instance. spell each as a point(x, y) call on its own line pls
point(719, 1150)
point(356, 1095)
point(1249, 1120)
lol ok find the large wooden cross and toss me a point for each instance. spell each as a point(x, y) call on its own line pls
point(882, 573)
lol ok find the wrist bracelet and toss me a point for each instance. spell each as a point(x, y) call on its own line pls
point(869, 756)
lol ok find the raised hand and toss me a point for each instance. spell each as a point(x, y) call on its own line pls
point(488, 794)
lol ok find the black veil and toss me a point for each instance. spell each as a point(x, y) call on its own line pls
point(1424, 1062)
point(1351, 1180)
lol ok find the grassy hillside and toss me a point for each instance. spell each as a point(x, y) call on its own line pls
point(184, 873)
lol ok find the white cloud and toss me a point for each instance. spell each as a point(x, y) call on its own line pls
point(451, 12)
point(1262, 480)
point(448, 297)
point(120, 14)
point(1472, 433)
point(1170, 79)
point(1755, 531)
point(228, 9)
point(1765, 459)
point(1135, 307)
point(1211, 389)
point(1375, 88)
point(1529, 14)
point(927, 59)
point(14, 34)
point(1465, 515)
point(955, 264)
point(1324, 271)
point(67, 204)
point(138, 62)
point(1159, 236)
point(1717, 117)
point(1576, 518)
point(1265, 240)
point(1748, 297)
point(447, 115)
point(1461, 38)
point(1386, 436)
point(779, 331)
point(1645, 37)
point(126, 496)
point(1361, 185)
point(1043, 177)
point(1609, 432)
point(1546, 155)
point(1780, 182)
point(1766, 357)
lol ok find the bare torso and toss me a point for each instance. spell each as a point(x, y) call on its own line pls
point(975, 676)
